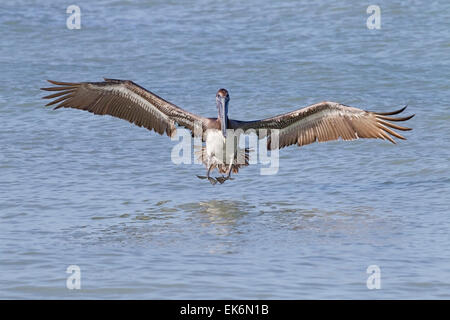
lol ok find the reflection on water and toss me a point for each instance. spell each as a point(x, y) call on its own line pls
point(166, 223)
point(219, 212)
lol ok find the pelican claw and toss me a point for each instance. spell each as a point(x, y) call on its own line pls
point(202, 177)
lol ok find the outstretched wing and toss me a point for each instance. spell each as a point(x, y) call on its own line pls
point(326, 121)
point(126, 100)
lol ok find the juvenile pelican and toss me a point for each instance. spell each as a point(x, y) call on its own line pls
point(320, 122)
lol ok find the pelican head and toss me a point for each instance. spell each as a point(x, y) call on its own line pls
point(222, 99)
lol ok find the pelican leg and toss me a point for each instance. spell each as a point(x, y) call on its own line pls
point(228, 177)
point(229, 174)
point(210, 179)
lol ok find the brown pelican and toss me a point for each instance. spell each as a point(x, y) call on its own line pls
point(320, 122)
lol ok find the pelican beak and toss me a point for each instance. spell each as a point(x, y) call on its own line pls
point(222, 106)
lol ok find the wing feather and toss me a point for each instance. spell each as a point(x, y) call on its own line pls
point(126, 100)
point(327, 121)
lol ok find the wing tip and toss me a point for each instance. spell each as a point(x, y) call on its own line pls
point(384, 117)
point(391, 112)
point(61, 83)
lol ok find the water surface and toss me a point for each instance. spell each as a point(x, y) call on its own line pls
point(100, 193)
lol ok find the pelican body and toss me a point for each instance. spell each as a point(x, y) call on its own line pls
point(319, 122)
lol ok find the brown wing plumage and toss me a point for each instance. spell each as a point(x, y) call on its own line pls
point(126, 100)
point(326, 121)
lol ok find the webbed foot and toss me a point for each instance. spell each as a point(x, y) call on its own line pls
point(221, 179)
point(212, 180)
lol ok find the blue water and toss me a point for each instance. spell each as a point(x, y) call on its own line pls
point(102, 194)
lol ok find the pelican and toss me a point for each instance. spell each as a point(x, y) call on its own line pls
point(319, 122)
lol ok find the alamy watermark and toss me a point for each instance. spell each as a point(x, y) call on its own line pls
point(374, 20)
point(74, 20)
point(374, 279)
point(232, 149)
point(74, 280)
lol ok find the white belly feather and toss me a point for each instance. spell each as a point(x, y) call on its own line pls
point(216, 146)
point(223, 153)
